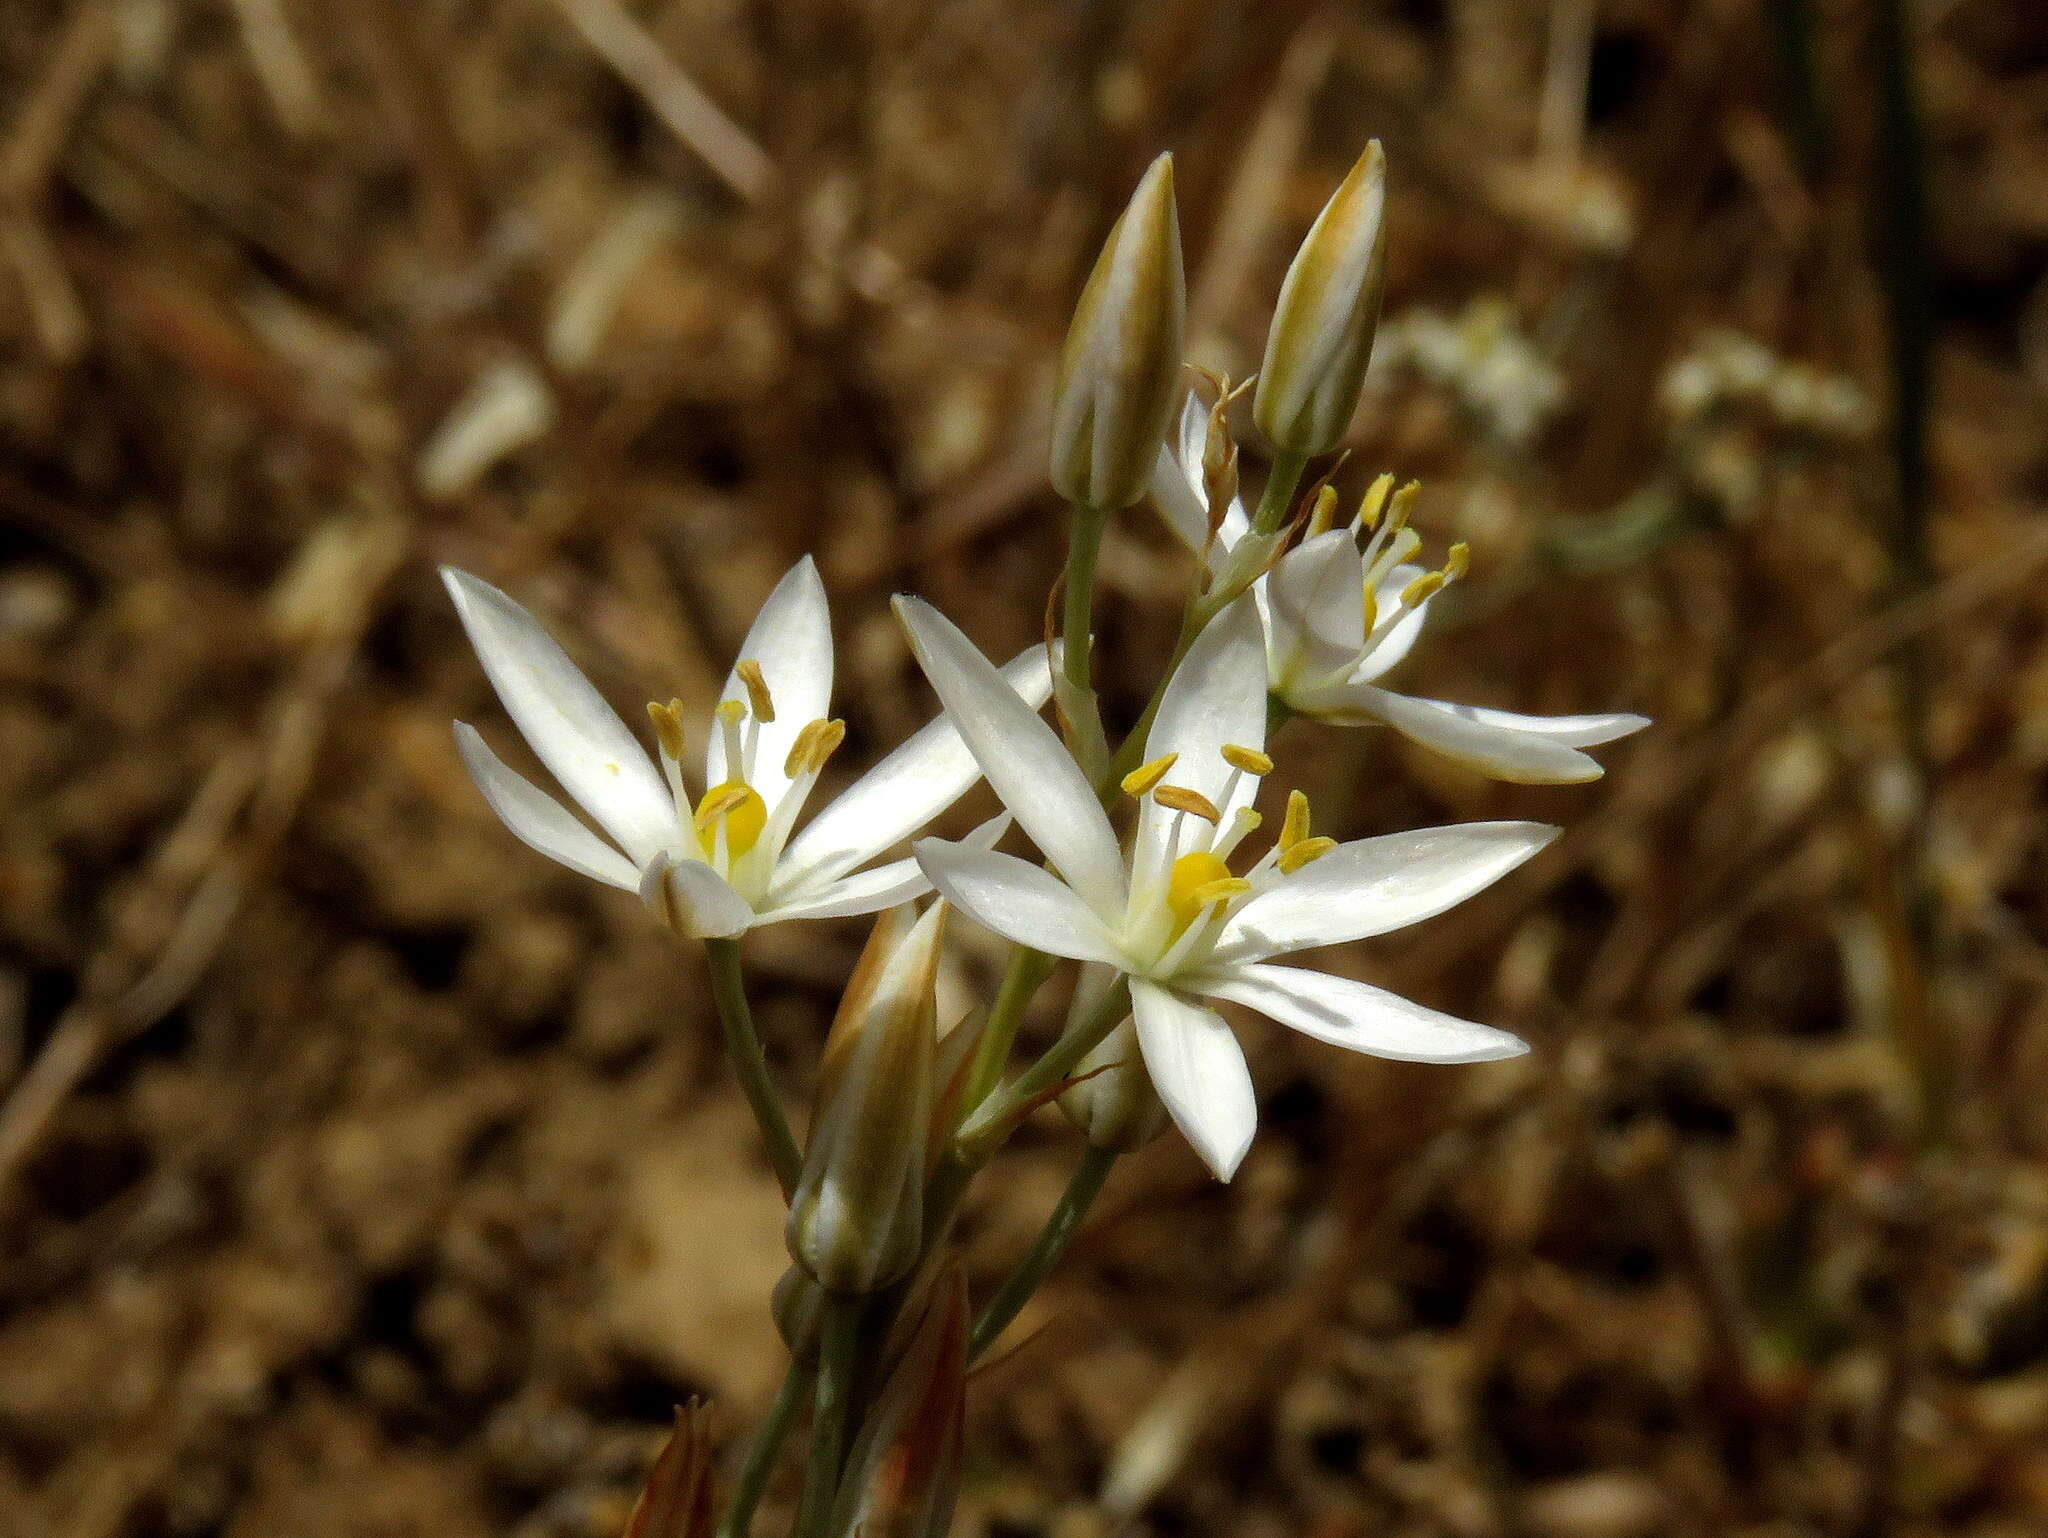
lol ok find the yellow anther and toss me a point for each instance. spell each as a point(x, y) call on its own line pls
point(730, 712)
point(1221, 889)
point(1181, 799)
point(1141, 779)
point(1305, 851)
point(1458, 562)
point(757, 690)
point(1250, 760)
point(1422, 587)
point(1403, 503)
point(1295, 828)
point(1369, 601)
point(1375, 502)
point(1324, 513)
point(740, 807)
point(816, 743)
point(1246, 820)
point(1194, 874)
point(668, 726)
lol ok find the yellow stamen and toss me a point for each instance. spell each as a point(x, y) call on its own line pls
point(1250, 760)
point(730, 712)
point(1370, 601)
point(1181, 799)
point(1141, 779)
point(1222, 888)
point(741, 808)
point(1295, 828)
point(1403, 504)
point(1422, 587)
point(1302, 853)
point(757, 690)
point(1324, 513)
point(816, 743)
point(1194, 874)
point(1375, 502)
point(668, 727)
point(1458, 562)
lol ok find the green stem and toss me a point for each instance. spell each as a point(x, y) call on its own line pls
point(1084, 543)
point(838, 1349)
point(1026, 973)
point(977, 1139)
point(1052, 1243)
point(1279, 494)
point(761, 1457)
point(743, 1044)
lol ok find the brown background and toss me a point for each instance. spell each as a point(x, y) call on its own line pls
point(361, 1173)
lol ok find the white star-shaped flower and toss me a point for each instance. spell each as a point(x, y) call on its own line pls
point(1343, 606)
point(725, 861)
point(1172, 916)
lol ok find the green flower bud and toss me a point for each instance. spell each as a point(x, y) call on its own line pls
point(1321, 338)
point(1112, 1100)
point(856, 1217)
point(798, 1306)
point(1119, 377)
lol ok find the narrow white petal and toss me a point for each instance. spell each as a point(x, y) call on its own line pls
point(1025, 762)
point(1315, 603)
point(1375, 885)
point(1348, 1013)
point(1503, 749)
point(1177, 485)
point(1180, 504)
point(567, 723)
point(865, 891)
point(903, 792)
point(1200, 1073)
point(1016, 899)
point(538, 819)
point(1399, 641)
point(1572, 731)
point(791, 638)
point(705, 907)
point(1217, 697)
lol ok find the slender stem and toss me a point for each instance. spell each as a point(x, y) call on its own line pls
point(1051, 1244)
point(743, 1043)
point(1084, 543)
point(761, 1457)
point(1026, 973)
point(977, 1139)
point(838, 1347)
point(1279, 494)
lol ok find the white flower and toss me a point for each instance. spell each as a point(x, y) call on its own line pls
point(724, 862)
point(1173, 917)
point(1343, 606)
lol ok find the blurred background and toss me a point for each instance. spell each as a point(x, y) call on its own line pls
point(361, 1173)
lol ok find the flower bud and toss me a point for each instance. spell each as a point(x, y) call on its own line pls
point(676, 1501)
point(1119, 376)
point(1112, 1102)
point(856, 1217)
point(904, 1470)
point(798, 1306)
point(1321, 338)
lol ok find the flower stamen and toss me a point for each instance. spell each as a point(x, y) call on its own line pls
point(1181, 799)
point(756, 682)
point(1141, 780)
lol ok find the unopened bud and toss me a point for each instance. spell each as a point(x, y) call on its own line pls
point(1112, 1100)
point(798, 1305)
point(1321, 338)
point(856, 1218)
point(1119, 375)
point(677, 1500)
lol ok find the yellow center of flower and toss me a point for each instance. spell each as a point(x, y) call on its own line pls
point(1188, 892)
point(740, 807)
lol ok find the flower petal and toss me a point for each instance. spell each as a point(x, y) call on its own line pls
point(1199, 1070)
point(567, 723)
point(1315, 604)
point(1217, 697)
point(791, 639)
point(1496, 743)
point(538, 819)
point(1400, 640)
point(1026, 764)
point(1016, 899)
point(1375, 885)
point(902, 793)
point(1348, 1013)
point(698, 902)
point(1177, 484)
point(865, 891)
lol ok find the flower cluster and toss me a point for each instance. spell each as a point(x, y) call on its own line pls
point(1153, 865)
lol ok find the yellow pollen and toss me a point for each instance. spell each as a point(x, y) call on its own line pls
point(1141, 779)
point(741, 808)
point(730, 712)
point(1375, 502)
point(1324, 514)
point(1403, 503)
point(757, 690)
point(1458, 562)
point(1309, 849)
point(1250, 760)
point(816, 743)
point(668, 727)
point(1295, 828)
point(1181, 799)
point(1370, 601)
point(1422, 587)
point(1194, 875)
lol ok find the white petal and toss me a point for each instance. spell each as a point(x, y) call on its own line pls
point(1375, 885)
point(1572, 731)
point(567, 723)
point(1401, 639)
point(865, 891)
point(1315, 604)
point(538, 819)
point(1348, 1013)
point(705, 907)
point(1177, 485)
point(1200, 1073)
point(1217, 697)
point(1494, 742)
point(1179, 503)
point(1026, 764)
point(1016, 899)
point(902, 793)
point(791, 638)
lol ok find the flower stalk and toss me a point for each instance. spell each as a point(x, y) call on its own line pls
point(1021, 1284)
point(750, 1063)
